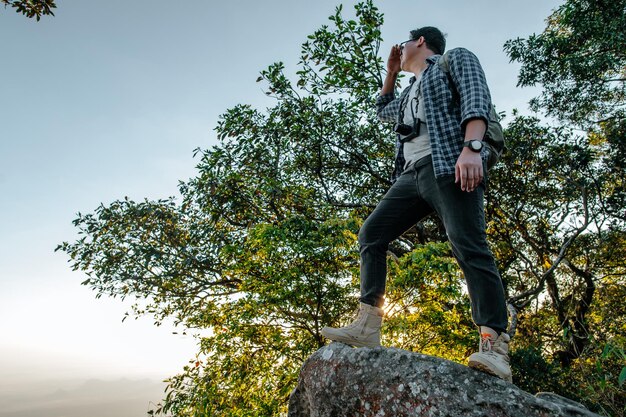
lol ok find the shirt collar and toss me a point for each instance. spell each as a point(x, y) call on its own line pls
point(431, 60)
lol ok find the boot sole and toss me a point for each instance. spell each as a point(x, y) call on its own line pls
point(479, 366)
point(352, 343)
point(349, 341)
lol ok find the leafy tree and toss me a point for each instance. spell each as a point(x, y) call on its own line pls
point(579, 62)
point(32, 8)
point(560, 253)
point(567, 237)
point(259, 252)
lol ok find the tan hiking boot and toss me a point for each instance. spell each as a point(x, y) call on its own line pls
point(362, 332)
point(493, 356)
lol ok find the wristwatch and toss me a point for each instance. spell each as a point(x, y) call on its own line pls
point(474, 145)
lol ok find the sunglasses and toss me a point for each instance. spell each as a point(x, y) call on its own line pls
point(401, 45)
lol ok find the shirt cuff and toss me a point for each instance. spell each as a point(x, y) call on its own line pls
point(473, 116)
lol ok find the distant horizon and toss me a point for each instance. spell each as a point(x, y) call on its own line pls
point(70, 398)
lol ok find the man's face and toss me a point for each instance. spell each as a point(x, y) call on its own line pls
point(408, 49)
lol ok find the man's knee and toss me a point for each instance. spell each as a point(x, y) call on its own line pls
point(364, 235)
point(369, 237)
point(469, 246)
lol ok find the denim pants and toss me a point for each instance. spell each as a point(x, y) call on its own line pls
point(414, 195)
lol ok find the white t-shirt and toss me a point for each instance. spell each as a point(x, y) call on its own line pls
point(418, 147)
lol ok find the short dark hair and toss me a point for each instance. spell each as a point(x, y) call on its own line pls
point(435, 40)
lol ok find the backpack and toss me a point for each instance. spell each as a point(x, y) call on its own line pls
point(494, 136)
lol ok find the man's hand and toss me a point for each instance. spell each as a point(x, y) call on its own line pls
point(393, 62)
point(468, 170)
point(393, 69)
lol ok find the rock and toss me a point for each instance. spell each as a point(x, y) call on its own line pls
point(338, 380)
point(565, 403)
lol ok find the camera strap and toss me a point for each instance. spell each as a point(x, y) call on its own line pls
point(407, 101)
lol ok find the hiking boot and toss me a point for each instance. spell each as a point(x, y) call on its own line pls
point(364, 331)
point(493, 356)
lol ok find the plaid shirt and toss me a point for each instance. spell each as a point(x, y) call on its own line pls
point(445, 119)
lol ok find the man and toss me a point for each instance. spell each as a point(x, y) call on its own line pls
point(441, 119)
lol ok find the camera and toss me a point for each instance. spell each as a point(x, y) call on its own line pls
point(407, 132)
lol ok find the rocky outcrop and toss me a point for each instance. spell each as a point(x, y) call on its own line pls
point(338, 380)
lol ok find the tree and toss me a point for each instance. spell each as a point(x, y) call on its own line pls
point(566, 232)
point(260, 250)
point(259, 253)
point(32, 8)
point(579, 62)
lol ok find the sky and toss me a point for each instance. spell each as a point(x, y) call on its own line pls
point(109, 99)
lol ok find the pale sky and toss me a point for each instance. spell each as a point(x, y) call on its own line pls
point(109, 98)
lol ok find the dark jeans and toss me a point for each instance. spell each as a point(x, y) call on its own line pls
point(413, 196)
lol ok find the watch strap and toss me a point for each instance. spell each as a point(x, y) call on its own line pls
point(468, 144)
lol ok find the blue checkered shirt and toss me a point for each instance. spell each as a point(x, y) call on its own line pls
point(445, 118)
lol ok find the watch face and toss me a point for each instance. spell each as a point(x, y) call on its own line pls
point(476, 145)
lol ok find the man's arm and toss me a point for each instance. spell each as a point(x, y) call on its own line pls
point(470, 82)
point(385, 111)
point(475, 101)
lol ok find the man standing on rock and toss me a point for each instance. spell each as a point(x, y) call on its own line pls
point(440, 119)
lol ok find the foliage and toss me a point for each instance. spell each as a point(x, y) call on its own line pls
point(534, 373)
point(260, 251)
point(596, 378)
point(428, 310)
point(32, 8)
point(603, 374)
point(542, 204)
point(582, 55)
point(560, 232)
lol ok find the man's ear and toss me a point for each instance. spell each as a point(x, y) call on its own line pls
point(421, 41)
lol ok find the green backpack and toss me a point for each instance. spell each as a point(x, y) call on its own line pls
point(494, 136)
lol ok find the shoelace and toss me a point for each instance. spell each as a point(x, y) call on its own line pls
point(485, 343)
point(493, 347)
